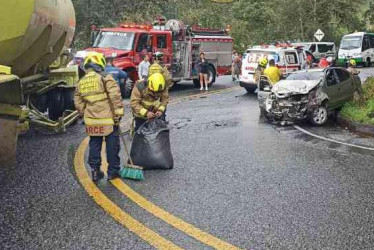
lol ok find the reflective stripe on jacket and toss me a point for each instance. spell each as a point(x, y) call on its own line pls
point(92, 99)
point(144, 100)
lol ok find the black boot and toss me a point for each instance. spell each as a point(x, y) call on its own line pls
point(97, 175)
point(113, 176)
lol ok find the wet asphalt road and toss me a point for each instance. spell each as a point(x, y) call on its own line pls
point(365, 73)
point(252, 184)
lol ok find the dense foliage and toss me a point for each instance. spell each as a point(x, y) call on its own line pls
point(362, 109)
point(252, 21)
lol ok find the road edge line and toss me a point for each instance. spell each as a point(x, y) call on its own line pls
point(139, 229)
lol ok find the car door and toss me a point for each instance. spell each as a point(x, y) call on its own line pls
point(332, 88)
point(346, 85)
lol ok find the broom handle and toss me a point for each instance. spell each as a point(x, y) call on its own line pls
point(124, 144)
point(119, 127)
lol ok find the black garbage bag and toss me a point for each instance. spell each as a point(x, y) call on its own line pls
point(151, 146)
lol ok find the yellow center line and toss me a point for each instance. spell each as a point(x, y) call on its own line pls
point(129, 222)
point(172, 220)
point(111, 208)
point(167, 217)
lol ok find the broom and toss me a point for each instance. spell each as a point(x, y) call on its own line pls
point(130, 171)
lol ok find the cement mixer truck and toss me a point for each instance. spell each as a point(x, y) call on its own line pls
point(35, 85)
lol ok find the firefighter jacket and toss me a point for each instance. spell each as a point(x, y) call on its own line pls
point(143, 100)
point(353, 71)
point(98, 99)
point(258, 73)
point(158, 68)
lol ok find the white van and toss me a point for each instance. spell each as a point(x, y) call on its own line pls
point(320, 49)
point(286, 59)
point(358, 46)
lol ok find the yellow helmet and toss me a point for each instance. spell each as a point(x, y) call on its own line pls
point(263, 62)
point(155, 68)
point(352, 62)
point(95, 58)
point(156, 82)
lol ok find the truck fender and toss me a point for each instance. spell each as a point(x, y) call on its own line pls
point(214, 72)
point(214, 68)
point(130, 69)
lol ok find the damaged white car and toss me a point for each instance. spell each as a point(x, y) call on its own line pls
point(308, 95)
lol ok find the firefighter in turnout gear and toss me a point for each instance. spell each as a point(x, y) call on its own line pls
point(263, 62)
point(99, 101)
point(352, 67)
point(159, 67)
point(149, 99)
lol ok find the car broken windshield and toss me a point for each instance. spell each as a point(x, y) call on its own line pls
point(116, 40)
point(306, 75)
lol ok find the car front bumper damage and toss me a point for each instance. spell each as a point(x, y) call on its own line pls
point(291, 108)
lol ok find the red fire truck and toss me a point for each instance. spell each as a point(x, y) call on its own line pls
point(179, 43)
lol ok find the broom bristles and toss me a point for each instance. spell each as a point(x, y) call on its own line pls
point(132, 172)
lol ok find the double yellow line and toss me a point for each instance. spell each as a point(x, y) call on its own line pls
point(128, 221)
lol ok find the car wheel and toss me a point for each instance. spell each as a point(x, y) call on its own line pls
point(319, 116)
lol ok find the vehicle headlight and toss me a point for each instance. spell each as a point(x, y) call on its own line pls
point(268, 104)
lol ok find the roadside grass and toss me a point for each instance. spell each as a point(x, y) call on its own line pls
point(361, 110)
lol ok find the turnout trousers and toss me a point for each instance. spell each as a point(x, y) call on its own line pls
point(112, 151)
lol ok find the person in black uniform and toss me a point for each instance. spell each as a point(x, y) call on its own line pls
point(203, 71)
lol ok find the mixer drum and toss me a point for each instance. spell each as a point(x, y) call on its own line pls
point(34, 32)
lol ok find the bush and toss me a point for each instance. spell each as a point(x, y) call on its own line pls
point(361, 110)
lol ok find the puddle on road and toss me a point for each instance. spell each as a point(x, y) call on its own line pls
point(179, 123)
point(222, 124)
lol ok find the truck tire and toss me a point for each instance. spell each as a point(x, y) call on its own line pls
point(68, 94)
point(126, 89)
point(211, 75)
point(56, 104)
point(196, 83)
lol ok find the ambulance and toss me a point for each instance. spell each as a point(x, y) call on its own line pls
point(287, 59)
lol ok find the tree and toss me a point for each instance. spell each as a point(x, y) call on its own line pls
point(252, 21)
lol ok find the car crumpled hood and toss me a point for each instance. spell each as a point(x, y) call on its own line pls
point(290, 87)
